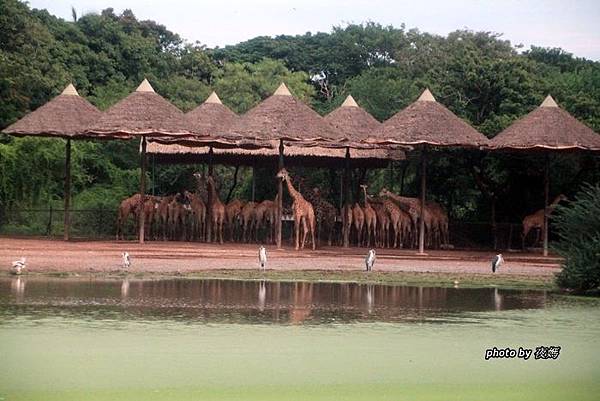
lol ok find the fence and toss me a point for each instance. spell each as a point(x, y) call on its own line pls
point(101, 224)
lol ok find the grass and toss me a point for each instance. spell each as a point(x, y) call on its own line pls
point(388, 278)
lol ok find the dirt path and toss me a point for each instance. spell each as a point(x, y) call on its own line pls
point(168, 257)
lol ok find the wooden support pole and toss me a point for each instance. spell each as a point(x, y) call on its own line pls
point(209, 218)
point(279, 225)
point(546, 196)
point(142, 188)
point(423, 190)
point(253, 180)
point(67, 194)
point(346, 197)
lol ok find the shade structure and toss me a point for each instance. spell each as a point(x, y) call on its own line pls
point(352, 121)
point(283, 117)
point(143, 113)
point(427, 123)
point(548, 129)
point(210, 118)
point(315, 156)
point(353, 124)
point(67, 116)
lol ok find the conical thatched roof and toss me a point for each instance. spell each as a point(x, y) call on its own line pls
point(211, 117)
point(281, 116)
point(143, 112)
point(547, 127)
point(352, 121)
point(427, 122)
point(294, 155)
point(67, 115)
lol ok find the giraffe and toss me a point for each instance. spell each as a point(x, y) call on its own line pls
point(163, 215)
point(262, 215)
point(127, 207)
point(358, 216)
point(536, 220)
point(440, 222)
point(248, 220)
point(302, 210)
point(383, 222)
point(217, 209)
point(413, 207)
point(325, 213)
point(346, 213)
point(198, 215)
point(396, 219)
point(370, 219)
point(233, 212)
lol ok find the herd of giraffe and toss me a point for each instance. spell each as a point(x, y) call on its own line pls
point(388, 220)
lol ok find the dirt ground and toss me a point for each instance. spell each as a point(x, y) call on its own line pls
point(45, 256)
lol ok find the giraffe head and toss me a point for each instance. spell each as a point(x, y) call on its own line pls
point(283, 175)
point(560, 198)
point(384, 192)
point(364, 186)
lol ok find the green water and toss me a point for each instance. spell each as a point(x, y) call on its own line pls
point(213, 340)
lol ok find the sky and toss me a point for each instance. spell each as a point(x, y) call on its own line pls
point(573, 25)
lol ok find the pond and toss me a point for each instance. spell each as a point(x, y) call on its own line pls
point(187, 339)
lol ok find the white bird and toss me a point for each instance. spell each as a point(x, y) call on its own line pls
point(370, 260)
point(262, 257)
point(126, 260)
point(18, 266)
point(497, 262)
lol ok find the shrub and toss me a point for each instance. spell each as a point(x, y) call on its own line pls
point(578, 226)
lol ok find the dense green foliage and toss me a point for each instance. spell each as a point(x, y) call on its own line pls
point(579, 243)
point(478, 75)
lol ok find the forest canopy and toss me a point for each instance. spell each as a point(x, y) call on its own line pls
point(481, 77)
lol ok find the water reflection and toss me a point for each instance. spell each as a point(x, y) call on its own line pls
point(251, 301)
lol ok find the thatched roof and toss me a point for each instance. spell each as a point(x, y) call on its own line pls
point(352, 121)
point(282, 116)
point(547, 127)
point(67, 115)
point(143, 112)
point(427, 122)
point(211, 117)
point(294, 155)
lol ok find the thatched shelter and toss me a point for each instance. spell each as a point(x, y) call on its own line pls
point(351, 120)
point(186, 153)
point(67, 116)
point(427, 123)
point(211, 117)
point(283, 117)
point(143, 113)
point(547, 129)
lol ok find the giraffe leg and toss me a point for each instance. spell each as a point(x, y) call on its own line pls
point(297, 230)
point(304, 231)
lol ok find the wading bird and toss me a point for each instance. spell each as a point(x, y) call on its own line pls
point(18, 266)
point(126, 260)
point(262, 257)
point(497, 262)
point(370, 260)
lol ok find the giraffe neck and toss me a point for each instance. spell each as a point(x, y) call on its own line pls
point(213, 193)
point(293, 193)
point(366, 197)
